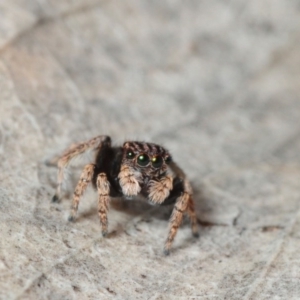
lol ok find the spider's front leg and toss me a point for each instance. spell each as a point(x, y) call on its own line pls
point(85, 178)
point(103, 188)
point(129, 181)
point(73, 152)
point(184, 204)
point(159, 190)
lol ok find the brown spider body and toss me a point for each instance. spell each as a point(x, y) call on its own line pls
point(136, 168)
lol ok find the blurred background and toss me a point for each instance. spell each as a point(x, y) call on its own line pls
point(215, 82)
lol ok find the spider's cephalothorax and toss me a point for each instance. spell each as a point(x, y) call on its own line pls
point(136, 168)
point(147, 159)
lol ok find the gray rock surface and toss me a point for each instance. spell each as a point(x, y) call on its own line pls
point(216, 82)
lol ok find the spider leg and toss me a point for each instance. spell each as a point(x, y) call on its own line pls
point(184, 204)
point(159, 191)
point(179, 209)
point(193, 217)
point(129, 181)
point(85, 179)
point(73, 152)
point(103, 188)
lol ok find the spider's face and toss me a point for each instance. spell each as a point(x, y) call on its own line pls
point(150, 159)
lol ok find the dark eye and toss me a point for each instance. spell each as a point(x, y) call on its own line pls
point(168, 159)
point(129, 154)
point(157, 161)
point(143, 160)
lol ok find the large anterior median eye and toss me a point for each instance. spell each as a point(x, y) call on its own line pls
point(129, 154)
point(157, 161)
point(143, 160)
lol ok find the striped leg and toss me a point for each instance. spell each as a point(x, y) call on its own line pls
point(103, 188)
point(192, 215)
point(176, 218)
point(73, 152)
point(184, 204)
point(85, 179)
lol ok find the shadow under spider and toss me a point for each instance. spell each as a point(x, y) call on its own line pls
point(139, 207)
point(135, 207)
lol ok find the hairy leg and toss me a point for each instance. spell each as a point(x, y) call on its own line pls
point(85, 179)
point(159, 191)
point(103, 188)
point(73, 152)
point(175, 220)
point(184, 204)
point(129, 181)
point(192, 215)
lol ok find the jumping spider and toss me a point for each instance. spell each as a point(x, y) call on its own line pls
point(136, 168)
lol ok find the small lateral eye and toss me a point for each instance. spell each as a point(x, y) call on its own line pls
point(157, 161)
point(130, 154)
point(143, 160)
point(168, 159)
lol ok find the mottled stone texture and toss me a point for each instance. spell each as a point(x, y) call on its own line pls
point(216, 82)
